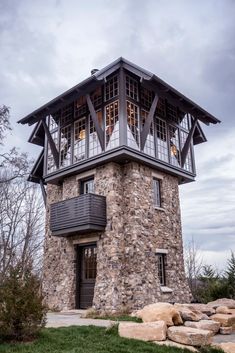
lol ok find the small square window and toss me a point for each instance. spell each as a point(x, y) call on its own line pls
point(87, 186)
point(157, 193)
point(161, 264)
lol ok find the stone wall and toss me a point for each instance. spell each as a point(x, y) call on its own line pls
point(127, 275)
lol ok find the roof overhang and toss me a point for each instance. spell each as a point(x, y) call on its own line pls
point(36, 173)
point(163, 88)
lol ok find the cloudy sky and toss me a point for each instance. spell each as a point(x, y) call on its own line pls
point(48, 46)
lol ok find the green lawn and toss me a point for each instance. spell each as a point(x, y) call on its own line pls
point(86, 339)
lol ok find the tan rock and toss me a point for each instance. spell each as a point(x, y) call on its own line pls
point(224, 319)
point(227, 347)
point(160, 311)
point(223, 310)
point(190, 336)
point(169, 343)
point(209, 325)
point(226, 330)
point(188, 314)
point(203, 308)
point(151, 331)
point(230, 303)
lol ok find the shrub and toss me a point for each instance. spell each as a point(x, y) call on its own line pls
point(22, 312)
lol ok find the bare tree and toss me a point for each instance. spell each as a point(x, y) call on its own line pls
point(193, 264)
point(4, 122)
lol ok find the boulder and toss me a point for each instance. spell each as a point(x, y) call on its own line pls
point(160, 311)
point(190, 336)
point(230, 303)
point(169, 343)
point(224, 319)
point(227, 347)
point(151, 331)
point(209, 325)
point(203, 308)
point(223, 310)
point(188, 314)
point(226, 330)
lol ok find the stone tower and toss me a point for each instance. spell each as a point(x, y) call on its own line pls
point(116, 147)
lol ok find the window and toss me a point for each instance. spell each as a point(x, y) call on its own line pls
point(132, 125)
point(146, 98)
point(131, 88)
point(188, 162)
point(172, 113)
point(156, 193)
point(161, 263)
point(65, 146)
point(162, 145)
point(66, 114)
point(149, 147)
point(111, 125)
point(79, 140)
point(94, 143)
point(174, 146)
point(51, 166)
point(111, 88)
point(87, 186)
point(80, 107)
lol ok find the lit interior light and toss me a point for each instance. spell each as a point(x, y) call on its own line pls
point(174, 150)
point(82, 134)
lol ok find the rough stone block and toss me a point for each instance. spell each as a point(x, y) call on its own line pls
point(151, 331)
point(230, 303)
point(227, 347)
point(169, 343)
point(226, 330)
point(210, 325)
point(223, 310)
point(190, 336)
point(224, 319)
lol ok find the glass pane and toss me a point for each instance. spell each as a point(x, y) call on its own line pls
point(51, 166)
point(53, 121)
point(131, 88)
point(89, 263)
point(132, 125)
point(79, 139)
point(65, 146)
point(96, 97)
point(172, 113)
point(66, 114)
point(146, 98)
point(174, 145)
point(184, 121)
point(188, 165)
point(88, 186)
point(161, 108)
point(111, 125)
point(94, 143)
point(80, 107)
point(162, 146)
point(161, 269)
point(156, 193)
point(149, 147)
point(111, 87)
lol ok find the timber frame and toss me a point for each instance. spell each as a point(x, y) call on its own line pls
point(161, 91)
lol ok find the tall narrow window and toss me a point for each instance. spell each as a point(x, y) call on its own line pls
point(161, 269)
point(94, 143)
point(174, 145)
point(87, 186)
point(149, 147)
point(111, 125)
point(111, 87)
point(65, 146)
point(51, 166)
point(79, 140)
point(188, 165)
point(162, 145)
point(157, 193)
point(132, 125)
point(132, 88)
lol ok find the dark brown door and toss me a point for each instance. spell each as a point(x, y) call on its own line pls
point(86, 275)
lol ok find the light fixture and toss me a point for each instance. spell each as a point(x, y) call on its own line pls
point(82, 134)
point(174, 150)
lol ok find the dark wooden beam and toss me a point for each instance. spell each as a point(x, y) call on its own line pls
point(54, 150)
point(99, 130)
point(122, 108)
point(186, 147)
point(44, 194)
point(148, 122)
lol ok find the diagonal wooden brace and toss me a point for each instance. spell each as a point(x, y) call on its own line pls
point(187, 143)
point(99, 130)
point(54, 150)
point(44, 194)
point(148, 122)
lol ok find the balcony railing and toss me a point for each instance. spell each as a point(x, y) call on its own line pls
point(81, 214)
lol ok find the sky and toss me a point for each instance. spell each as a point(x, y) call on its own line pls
point(46, 47)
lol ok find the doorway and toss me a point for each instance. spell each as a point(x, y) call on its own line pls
point(86, 275)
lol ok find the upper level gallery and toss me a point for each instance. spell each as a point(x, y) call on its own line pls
point(120, 113)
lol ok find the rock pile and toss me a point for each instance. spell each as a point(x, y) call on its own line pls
point(182, 325)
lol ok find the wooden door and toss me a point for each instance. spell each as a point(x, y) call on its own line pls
point(86, 275)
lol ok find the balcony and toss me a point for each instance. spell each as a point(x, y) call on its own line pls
point(81, 214)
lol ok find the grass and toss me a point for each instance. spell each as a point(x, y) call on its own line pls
point(119, 318)
point(87, 339)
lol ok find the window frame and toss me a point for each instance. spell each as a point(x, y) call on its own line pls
point(83, 182)
point(161, 268)
point(157, 201)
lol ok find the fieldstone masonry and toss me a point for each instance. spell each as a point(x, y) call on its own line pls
point(127, 275)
